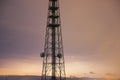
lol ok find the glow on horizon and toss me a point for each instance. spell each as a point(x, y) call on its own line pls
point(80, 70)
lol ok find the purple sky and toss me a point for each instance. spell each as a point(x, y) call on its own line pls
point(91, 36)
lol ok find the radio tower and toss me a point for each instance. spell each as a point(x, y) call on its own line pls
point(53, 57)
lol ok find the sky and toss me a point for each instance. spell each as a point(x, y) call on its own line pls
point(90, 29)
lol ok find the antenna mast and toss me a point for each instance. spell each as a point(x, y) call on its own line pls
point(53, 56)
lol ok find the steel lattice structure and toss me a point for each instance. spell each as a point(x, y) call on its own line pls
point(53, 56)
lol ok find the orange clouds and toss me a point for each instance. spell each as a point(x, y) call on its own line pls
point(110, 76)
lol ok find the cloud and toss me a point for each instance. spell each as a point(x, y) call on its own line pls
point(111, 76)
point(92, 72)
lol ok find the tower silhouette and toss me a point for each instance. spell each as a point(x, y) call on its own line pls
point(53, 56)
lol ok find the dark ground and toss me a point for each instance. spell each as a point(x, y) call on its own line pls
point(38, 78)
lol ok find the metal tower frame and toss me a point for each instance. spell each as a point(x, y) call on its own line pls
point(53, 56)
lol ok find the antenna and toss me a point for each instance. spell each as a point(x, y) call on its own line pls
point(53, 56)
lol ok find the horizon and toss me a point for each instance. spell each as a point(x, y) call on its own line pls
point(71, 77)
point(41, 75)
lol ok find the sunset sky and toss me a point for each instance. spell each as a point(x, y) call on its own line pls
point(91, 36)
